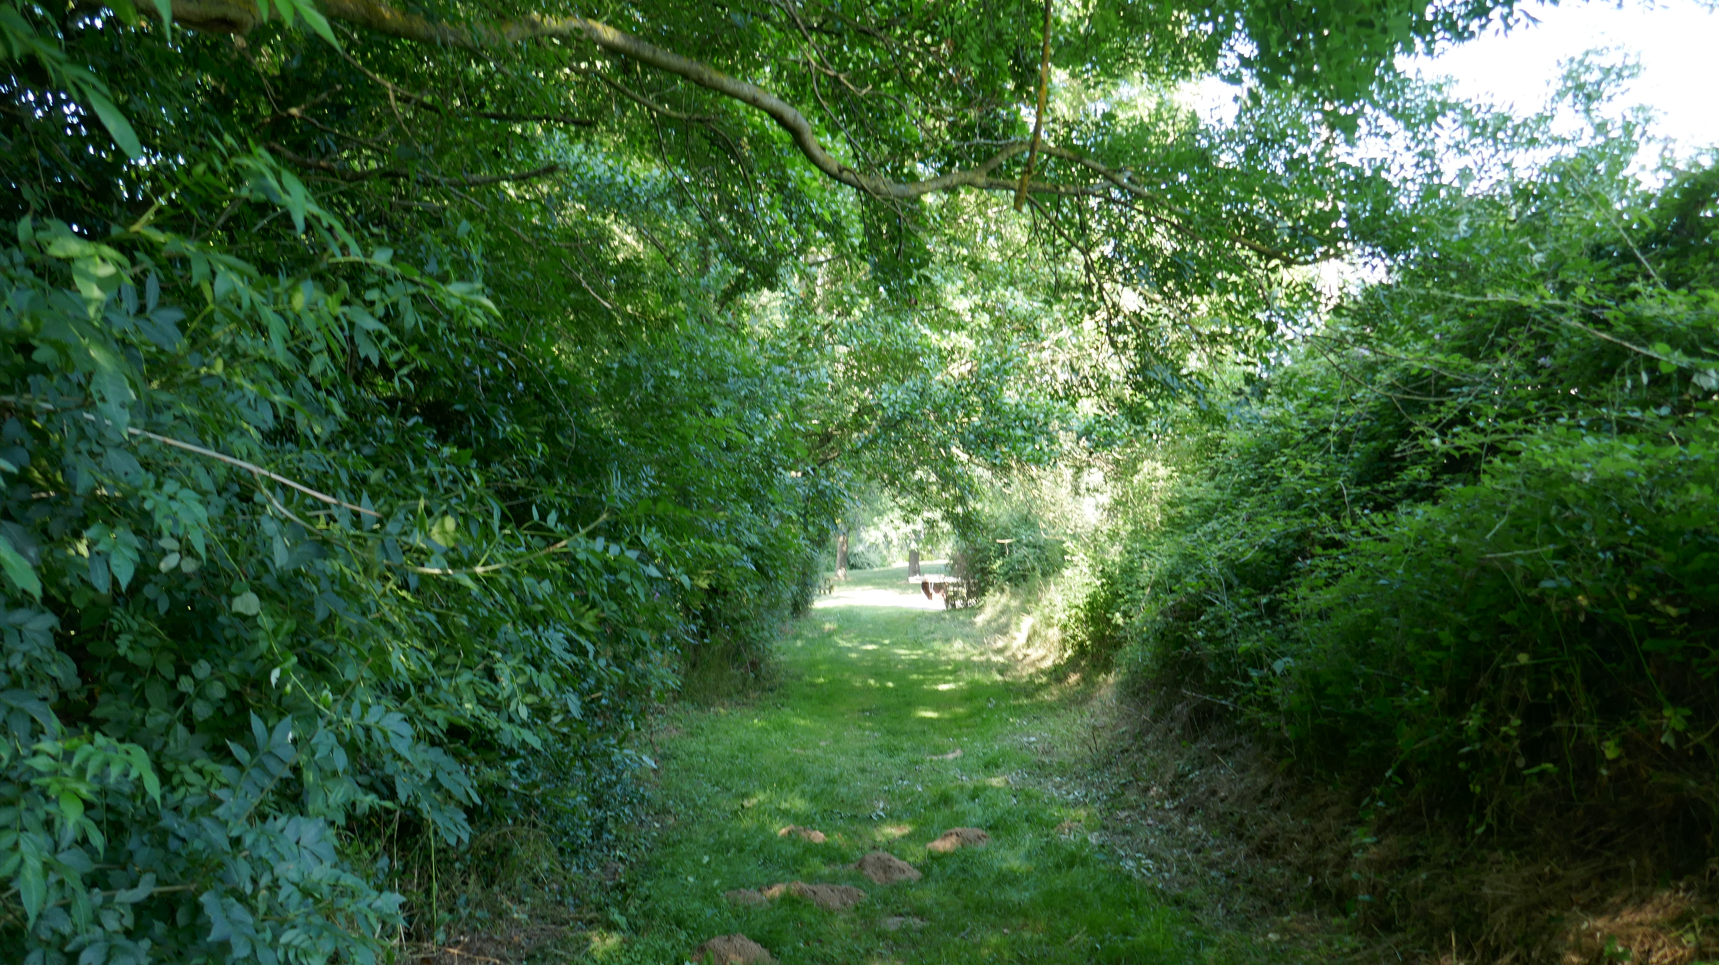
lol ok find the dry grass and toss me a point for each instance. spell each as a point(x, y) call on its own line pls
point(1203, 812)
point(1672, 926)
point(500, 947)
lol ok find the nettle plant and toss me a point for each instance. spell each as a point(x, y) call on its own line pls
point(214, 670)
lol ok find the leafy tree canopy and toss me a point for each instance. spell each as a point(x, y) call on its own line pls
point(402, 400)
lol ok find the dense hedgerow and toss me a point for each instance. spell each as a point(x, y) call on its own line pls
point(1459, 549)
point(324, 537)
point(1007, 548)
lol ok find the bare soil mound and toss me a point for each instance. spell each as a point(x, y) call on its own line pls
point(730, 950)
point(808, 834)
point(829, 897)
point(955, 838)
point(886, 869)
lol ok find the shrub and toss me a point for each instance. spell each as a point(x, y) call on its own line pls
point(1459, 551)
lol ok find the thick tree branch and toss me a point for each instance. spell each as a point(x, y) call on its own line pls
point(382, 18)
point(237, 16)
point(1038, 115)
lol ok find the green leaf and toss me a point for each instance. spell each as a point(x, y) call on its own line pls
point(124, 556)
point(247, 604)
point(146, 774)
point(18, 569)
point(115, 123)
point(319, 23)
point(32, 886)
point(127, 11)
point(71, 807)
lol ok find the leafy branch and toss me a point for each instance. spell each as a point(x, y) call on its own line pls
point(391, 21)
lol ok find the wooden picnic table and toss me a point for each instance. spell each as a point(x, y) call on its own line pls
point(952, 589)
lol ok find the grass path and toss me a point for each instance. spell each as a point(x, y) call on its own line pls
point(880, 691)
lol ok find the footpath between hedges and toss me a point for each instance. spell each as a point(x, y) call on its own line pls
point(895, 722)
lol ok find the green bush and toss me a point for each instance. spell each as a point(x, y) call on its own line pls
point(213, 668)
point(1459, 549)
point(330, 537)
point(1009, 549)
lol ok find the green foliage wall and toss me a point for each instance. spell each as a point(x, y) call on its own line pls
point(1457, 549)
point(326, 525)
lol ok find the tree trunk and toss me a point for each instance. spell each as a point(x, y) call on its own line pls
point(841, 556)
point(913, 562)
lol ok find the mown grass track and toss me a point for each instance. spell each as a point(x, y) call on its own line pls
point(880, 689)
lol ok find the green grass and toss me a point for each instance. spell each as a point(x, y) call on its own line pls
point(869, 694)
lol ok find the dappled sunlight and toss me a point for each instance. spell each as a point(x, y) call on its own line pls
point(906, 724)
point(758, 808)
point(605, 945)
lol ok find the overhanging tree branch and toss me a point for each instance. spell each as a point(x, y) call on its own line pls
point(380, 17)
point(238, 16)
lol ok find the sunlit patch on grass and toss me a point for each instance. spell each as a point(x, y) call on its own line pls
point(853, 745)
point(604, 944)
